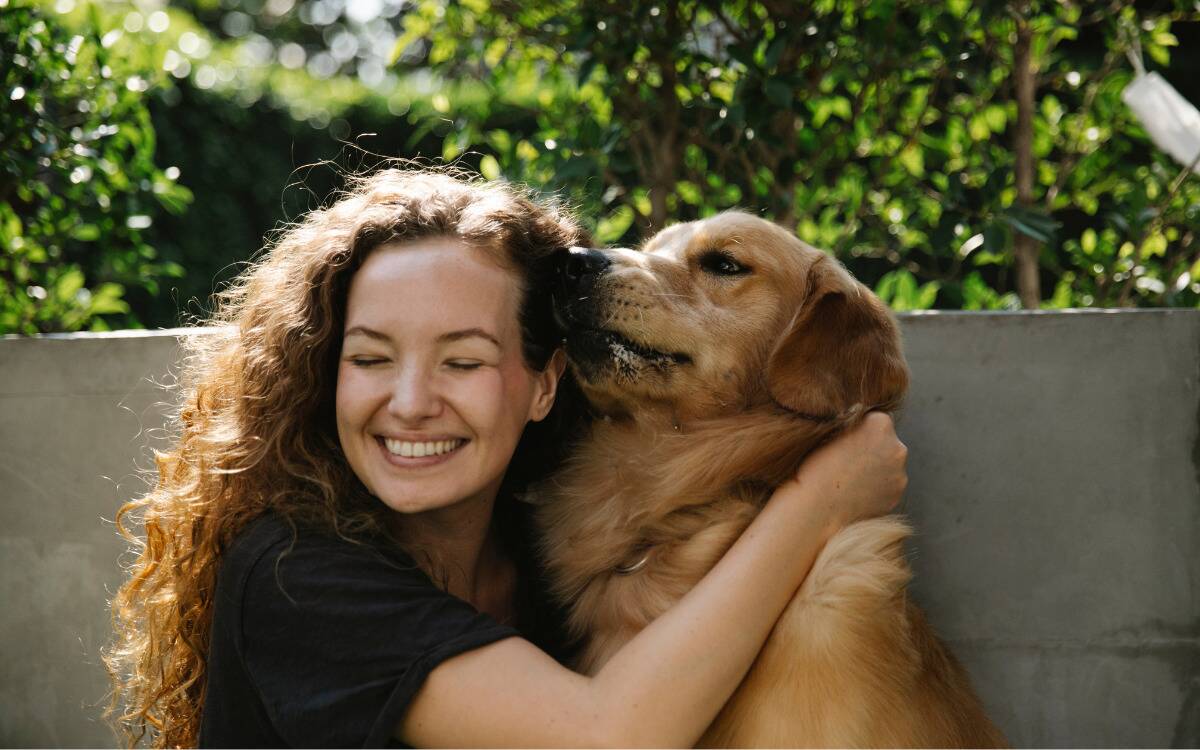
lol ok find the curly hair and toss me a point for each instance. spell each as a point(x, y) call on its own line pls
point(254, 427)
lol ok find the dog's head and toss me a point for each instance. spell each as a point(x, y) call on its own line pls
point(721, 315)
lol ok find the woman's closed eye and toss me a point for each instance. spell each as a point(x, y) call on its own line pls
point(365, 361)
point(464, 365)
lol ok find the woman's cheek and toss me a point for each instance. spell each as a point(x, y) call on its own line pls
point(485, 399)
point(356, 394)
point(484, 392)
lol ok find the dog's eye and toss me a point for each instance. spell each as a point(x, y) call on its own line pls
point(722, 264)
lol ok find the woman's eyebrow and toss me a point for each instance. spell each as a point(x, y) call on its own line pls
point(468, 333)
point(370, 333)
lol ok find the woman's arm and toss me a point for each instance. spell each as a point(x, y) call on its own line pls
point(666, 685)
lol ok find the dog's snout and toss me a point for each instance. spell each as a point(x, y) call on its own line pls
point(577, 265)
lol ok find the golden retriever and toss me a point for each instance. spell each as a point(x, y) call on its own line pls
point(718, 357)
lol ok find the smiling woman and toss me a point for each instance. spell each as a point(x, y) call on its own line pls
point(384, 349)
point(432, 397)
point(334, 553)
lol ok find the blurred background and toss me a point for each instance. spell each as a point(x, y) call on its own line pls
point(956, 155)
point(961, 155)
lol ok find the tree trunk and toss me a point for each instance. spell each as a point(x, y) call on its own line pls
point(664, 159)
point(1025, 248)
point(662, 181)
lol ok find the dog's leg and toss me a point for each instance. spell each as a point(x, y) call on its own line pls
point(852, 663)
point(816, 681)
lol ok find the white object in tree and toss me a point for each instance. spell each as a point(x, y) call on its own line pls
point(1172, 121)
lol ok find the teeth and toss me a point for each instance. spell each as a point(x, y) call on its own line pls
point(420, 450)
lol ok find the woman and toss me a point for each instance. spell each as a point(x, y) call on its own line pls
point(330, 557)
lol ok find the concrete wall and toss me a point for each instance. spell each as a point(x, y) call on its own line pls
point(73, 418)
point(1055, 467)
point(1055, 482)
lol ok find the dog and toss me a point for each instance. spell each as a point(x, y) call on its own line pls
point(715, 359)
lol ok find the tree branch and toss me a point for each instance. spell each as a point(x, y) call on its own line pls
point(1073, 157)
point(1025, 248)
point(1154, 225)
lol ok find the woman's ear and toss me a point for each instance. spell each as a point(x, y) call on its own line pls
point(546, 386)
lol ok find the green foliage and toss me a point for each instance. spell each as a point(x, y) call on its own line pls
point(78, 183)
point(881, 130)
point(251, 107)
point(900, 289)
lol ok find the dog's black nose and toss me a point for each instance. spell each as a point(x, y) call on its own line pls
point(579, 265)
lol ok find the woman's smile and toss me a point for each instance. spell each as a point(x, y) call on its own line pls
point(420, 453)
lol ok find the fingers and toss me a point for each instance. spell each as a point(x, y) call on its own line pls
point(862, 471)
point(881, 425)
point(882, 428)
point(878, 432)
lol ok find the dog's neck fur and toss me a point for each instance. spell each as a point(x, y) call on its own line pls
point(589, 505)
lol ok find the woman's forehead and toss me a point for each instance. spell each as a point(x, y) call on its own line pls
point(441, 281)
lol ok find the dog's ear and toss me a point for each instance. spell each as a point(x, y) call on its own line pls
point(841, 348)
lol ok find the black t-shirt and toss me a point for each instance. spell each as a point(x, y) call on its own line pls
point(322, 642)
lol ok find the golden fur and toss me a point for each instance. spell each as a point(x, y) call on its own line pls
point(718, 358)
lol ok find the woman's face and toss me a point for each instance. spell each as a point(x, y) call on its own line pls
point(432, 390)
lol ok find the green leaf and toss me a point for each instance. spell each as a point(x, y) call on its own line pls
point(612, 227)
point(1062, 294)
point(823, 108)
point(1155, 245)
point(106, 300)
point(885, 288)
point(977, 295)
point(913, 160)
point(996, 117)
point(958, 8)
point(899, 290)
point(1031, 222)
point(689, 193)
point(70, 282)
point(1027, 230)
point(979, 129)
point(988, 258)
point(86, 232)
point(451, 148)
point(489, 167)
point(927, 295)
point(1087, 241)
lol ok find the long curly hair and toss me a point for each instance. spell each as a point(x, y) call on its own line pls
point(254, 428)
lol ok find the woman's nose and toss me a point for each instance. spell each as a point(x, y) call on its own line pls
point(414, 396)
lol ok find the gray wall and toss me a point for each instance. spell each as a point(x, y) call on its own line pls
point(1055, 484)
point(73, 416)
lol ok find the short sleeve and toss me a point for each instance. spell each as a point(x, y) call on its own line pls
point(337, 638)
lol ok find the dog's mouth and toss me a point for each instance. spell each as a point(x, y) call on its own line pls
point(596, 343)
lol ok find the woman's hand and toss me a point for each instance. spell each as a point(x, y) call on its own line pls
point(860, 474)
